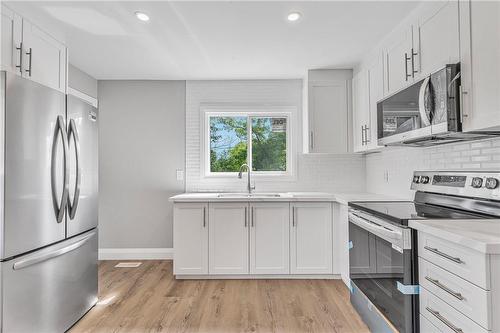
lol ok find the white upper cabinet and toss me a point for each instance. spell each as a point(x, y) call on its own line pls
point(328, 110)
point(191, 238)
point(11, 53)
point(31, 52)
point(375, 94)
point(269, 238)
point(436, 39)
point(398, 57)
point(228, 238)
point(360, 110)
point(44, 58)
point(311, 238)
point(480, 65)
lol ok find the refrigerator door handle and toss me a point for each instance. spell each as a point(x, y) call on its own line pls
point(33, 260)
point(60, 130)
point(73, 132)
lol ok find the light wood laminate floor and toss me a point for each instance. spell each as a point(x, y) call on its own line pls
point(149, 299)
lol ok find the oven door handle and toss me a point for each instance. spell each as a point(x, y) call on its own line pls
point(374, 227)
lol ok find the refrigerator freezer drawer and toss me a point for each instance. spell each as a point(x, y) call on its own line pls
point(49, 290)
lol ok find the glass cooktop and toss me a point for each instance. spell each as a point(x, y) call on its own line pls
point(402, 211)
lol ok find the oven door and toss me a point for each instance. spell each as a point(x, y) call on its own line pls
point(381, 266)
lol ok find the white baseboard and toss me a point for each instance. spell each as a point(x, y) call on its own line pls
point(136, 253)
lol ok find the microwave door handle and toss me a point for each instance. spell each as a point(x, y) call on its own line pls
point(421, 102)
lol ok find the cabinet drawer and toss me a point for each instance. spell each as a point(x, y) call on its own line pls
point(471, 265)
point(464, 296)
point(444, 317)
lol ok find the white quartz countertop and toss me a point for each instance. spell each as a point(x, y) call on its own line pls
point(343, 198)
point(479, 235)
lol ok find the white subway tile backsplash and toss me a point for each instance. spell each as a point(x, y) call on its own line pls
point(402, 162)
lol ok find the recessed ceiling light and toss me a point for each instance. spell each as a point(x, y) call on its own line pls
point(294, 16)
point(142, 16)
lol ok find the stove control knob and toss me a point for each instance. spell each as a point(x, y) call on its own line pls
point(416, 179)
point(477, 182)
point(491, 183)
point(424, 179)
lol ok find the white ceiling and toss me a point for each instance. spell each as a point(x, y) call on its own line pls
point(214, 40)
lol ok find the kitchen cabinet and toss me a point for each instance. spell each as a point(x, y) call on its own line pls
point(269, 238)
point(436, 37)
point(329, 96)
point(191, 238)
point(228, 238)
point(398, 57)
point(311, 238)
point(368, 89)
point(480, 68)
point(341, 236)
point(31, 52)
point(11, 41)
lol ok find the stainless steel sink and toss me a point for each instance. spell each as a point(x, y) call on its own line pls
point(247, 195)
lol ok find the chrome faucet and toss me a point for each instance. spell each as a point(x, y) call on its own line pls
point(250, 187)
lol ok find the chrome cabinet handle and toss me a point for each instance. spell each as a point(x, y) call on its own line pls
point(367, 141)
point(444, 255)
point(204, 216)
point(445, 288)
point(406, 67)
point(462, 111)
point(73, 132)
point(60, 129)
point(30, 261)
point(312, 139)
point(362, 135)
point(20, 49)
point(246, 216)
point(413, 54)
point(30, 54)
point(294, 223)
point(444, 320)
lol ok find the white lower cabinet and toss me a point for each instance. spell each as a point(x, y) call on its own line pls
point(311, 238)
point(269, 238)
point(191, 238)
point(228, 238)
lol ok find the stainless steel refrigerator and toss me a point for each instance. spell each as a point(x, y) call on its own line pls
point(48, 207)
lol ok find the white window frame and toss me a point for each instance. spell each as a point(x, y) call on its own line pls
point(251, 112)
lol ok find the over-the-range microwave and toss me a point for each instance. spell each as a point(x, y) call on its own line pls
point(425, 113)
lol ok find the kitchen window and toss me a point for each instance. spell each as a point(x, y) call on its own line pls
point(259, 139)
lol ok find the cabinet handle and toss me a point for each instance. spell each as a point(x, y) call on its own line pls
point(246, 215)
point(20, 66)
point(367, 141)
point(293, 217)
point(413, 54)
point(312, 139)
point(462, 111)
point(444, 255)
point(30, 54)
point(204, 217)
point(445, 288)
point(362, 135)
point(406, 67)
point(444, 320)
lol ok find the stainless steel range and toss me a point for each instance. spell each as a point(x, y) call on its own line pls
point(383, 265)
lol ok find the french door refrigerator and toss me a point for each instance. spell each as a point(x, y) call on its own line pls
point(48, 207)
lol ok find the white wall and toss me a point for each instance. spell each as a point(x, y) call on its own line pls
point(332, 173)
point(141, 144)
point(401, 162)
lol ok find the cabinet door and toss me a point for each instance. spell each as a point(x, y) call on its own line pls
point(44, 58)
point(398, 65)
point(479, 54)
point(11, 41)
point(341, 240)
point(360, 110)
point(375, 94)
point(269, 238)
point(190, 238)
point(362, 254)
point(311, 237)
point(228, 238)
point(328, 114)
point(437, 37)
